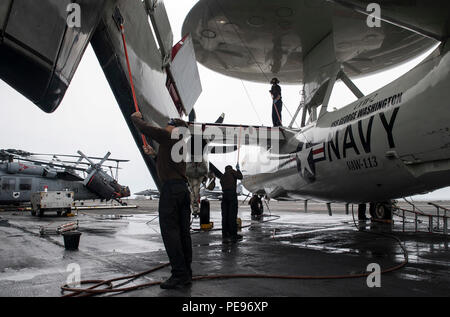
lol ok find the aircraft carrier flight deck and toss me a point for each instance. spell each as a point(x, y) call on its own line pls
point(289, 252)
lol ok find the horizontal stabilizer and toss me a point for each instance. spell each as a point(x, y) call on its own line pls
point(237, 135)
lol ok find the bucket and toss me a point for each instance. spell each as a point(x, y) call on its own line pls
point(71, 239)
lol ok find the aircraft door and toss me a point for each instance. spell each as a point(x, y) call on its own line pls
point(9, 186)
point(25, 184)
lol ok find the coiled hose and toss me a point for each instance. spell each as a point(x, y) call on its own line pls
point(80, 292)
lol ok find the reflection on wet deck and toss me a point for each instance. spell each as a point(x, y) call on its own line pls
point(115, 243)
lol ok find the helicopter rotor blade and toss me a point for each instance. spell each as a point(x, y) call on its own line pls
point(55, 161)
point(87, 158)
point(78, 156)
point(88, 164)
point(104, 158)
point(51, 164)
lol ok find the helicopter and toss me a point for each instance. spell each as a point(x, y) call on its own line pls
point(23, 173)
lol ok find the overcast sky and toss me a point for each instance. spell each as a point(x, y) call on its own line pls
point(90, 120)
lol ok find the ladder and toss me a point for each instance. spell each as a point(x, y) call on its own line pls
point(300, 107)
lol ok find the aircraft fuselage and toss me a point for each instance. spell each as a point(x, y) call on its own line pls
point(19, 188)
point(392, 143)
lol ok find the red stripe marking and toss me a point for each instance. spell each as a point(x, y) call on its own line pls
point(318, 151)
point(136, 107)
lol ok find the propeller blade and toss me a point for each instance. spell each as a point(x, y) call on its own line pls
point(248, 195)
point(192, 116)
point(215, 170)
point(221, 118)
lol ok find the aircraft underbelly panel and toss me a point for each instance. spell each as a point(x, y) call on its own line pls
point(429, 18)
point(256, 40)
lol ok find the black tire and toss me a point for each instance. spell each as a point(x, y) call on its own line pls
point(68, 211)
point(33, 213)
point(59, 213)
point(381, 211)
point(39, 211)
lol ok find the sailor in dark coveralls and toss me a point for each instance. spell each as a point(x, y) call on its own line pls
point(174, 202)
point(277, 103)
point(256, 207)
point(230, 204)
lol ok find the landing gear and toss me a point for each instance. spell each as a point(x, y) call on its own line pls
point(120, 201)
point(362, 212)
point(381, 211)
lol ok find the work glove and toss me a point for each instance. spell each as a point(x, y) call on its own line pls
point(149, 150)
point(138, 115)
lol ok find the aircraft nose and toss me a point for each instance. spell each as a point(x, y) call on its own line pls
point(125, 192)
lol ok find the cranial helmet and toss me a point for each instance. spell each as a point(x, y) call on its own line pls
point(177, 123)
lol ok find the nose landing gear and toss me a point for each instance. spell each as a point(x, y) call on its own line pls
point(378, 211)
point(381, 211)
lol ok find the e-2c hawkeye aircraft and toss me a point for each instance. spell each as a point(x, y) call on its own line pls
point(391, 143)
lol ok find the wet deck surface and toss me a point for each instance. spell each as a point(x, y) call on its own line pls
point(296, 243)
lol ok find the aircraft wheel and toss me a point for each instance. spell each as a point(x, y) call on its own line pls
point(381, 211)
